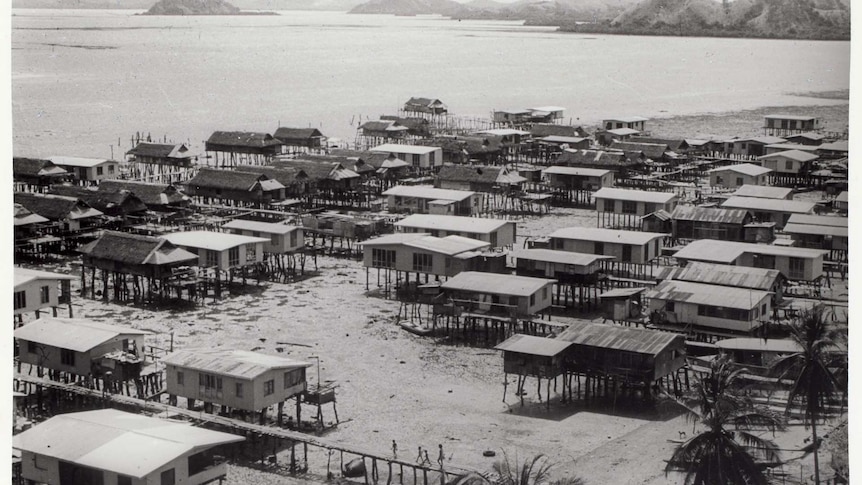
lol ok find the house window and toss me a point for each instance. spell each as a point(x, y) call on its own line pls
point(630, 207)
point(718, 180)
point(670, 306)
point(382, 258)
point(558, 244)
point(181, 378)
point(416, 160)
point(233, 256)
point(532, 299)
point(212, 258)
point(763, 261)
point(251, 253)
point(608, 205)
point(100, 170)
point(20, 300)
point(168, 477)
point(239, 389)
point(44, 294)
point(797, 268)
point(422, 262)
point(739, 181)
point(599, 248)
point(67, 357)
point(210, 385)
point(763, 309)
point(269, 387)
point(32, 348)
point(294, 236)
point(110, 169)
point(431, 157)
point(545, 293)
point(124, 480)
point(788, 165)
point(649, 208)
point(255, 233)
point(627, 253)
point(723, 313)
point(275, 239)
point(293, 378)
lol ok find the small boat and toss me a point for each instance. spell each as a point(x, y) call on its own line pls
point(415, 329)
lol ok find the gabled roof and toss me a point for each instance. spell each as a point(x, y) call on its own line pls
point(842, 197)
point(409, 149)
point(809, 135)
point(576, 171)
point(561, 257)
point(595, 158)
point(623, 131)
point(449, 245)
point(793, 146)
point(606, 235)
point(243, 139)
point(716, 251)
point(709, 214)
point(762, 140)
point(673, 144)
point(226, 179)
point(284, 174)
point(836, 146)
point(749, 169)
point(286, 134)
point(471, 225)
point(236, 363)
point(462, 173)
point(35, 167)
point(651, 150)
point(150, 194)
point(763, 191)
point(263, 227)
point(24, 217)
point(833, 221)
point(216, 241)
point(792, 228)
point(728, 275)
point(78, 161)
point(316, 169)
point(424, 102)
point(790, 117)
point(75, 334)
point(136, 249)
point(797, 155)
point(626, 119)
point(574, 140)
point(617, 337)
point(116, 441)
point(702, 294)
point(105, 199)
point(540, 130)
point(383, 125)
point(496, 284)
point(635, 195)
point(55, 207)
point(24, 275)
point(158, 150)
point(774, 205)
point(531, 345)
point(429, 192)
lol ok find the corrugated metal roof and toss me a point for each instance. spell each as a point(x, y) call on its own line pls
point(237, 363)
point(743, 168)
point(449, 245)
point(396, 148)
point(623, 131)
point(583, 172)
point(528, 344)
point(713, 250)
point(606, 235)
point(621, 292)
point(429, 192)
point(562, 257)
point(842, 197)
point(24, 275)
point(120, 442)
point(818, 230)
point(836, 146)
point(504, 132)
point(703, 294)
point(216, 241)
point(626, 119)
point(763, 191)
point(790, 117)
point(562, 139)
point(810, 220)
point(77, 161)
point(497, 284)
point(709, 214)
point(75, 334)
point(793, 146)
point(397, 238)
point(635, 195)
point(774, 205)
point(267, 227)
point(475, 225)
point(728, 275)
point(784, 346)
point(797, 155)
point(617, 337)
point(764, 140)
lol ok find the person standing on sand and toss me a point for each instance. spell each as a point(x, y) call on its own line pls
point(419, 456)
point(440, 456)
point(426, 460)
point(394, 449)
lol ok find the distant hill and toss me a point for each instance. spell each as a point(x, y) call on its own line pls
point(532, 11)
point(410, 7)
point(337, 5)
point(794, 19)
point(192, 7)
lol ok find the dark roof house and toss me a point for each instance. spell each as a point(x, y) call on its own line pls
point(300, 137)
point(111, 201)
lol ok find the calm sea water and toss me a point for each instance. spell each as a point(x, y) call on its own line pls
point(84, 80)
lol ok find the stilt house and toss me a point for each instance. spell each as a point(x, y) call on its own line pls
point(498, 233)
point(240, 147)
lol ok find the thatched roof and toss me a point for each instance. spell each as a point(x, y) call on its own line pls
point(595, 159)
point(159, 150)
point(284, 175)
point(415, 126)
point(376, 160)
point(541, 130)
point(35, 167)
point(297, 135)
point(243, 139)
point(136, 249)
point(110, 200)
point(226, 179)
point(150, 194)
point(313, 169)
point(654, 151)
point(55, 207)
point(673, 144)
point(391, 126)
point(24, 217)
point(460, 173)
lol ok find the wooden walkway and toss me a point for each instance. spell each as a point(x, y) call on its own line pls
point(420, 472)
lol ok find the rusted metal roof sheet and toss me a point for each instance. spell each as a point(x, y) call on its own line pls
point(237, 363)
point(728, 275)
point(528, 344)
point(635, 195)
point(616, 337)
point(75, 334)
point(709, 214)
point(496, 284)
point(702, 294)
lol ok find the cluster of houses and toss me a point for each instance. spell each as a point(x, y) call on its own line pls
point(161, 223)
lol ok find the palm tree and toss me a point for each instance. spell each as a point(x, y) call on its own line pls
point(719, 456)
point(814, 384)
point(532, 471)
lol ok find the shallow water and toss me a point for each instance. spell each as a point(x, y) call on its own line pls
point(83, 82)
